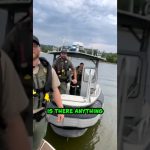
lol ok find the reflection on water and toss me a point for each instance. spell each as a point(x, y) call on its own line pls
point(102, 136)
point(85, 142)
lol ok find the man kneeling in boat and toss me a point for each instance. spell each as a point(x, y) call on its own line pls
point(45, 82)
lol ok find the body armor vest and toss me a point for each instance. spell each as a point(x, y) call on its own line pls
point(42, 84)
point(63, 70)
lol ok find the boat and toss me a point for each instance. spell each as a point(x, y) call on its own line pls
point(91, 96)
point(45, 146)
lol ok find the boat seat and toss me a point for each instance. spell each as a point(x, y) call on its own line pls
point(73, 98)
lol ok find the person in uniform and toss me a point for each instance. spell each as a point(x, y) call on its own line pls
point(79, 70)
point(75, 88)
point(45, 83)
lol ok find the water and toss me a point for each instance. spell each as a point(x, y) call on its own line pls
point(102, 136)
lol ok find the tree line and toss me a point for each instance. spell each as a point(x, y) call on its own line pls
point(109, 57)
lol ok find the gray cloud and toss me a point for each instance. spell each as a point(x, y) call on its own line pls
point(90, 22)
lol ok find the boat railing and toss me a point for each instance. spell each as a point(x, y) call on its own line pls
point(89, 86)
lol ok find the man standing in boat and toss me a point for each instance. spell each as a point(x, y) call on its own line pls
point(45, 82)
point(64, 69)
point(79, 70)
point(75, 88)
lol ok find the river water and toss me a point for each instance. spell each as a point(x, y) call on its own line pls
point(103, 135)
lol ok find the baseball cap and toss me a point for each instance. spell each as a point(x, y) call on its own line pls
point(64, 51)
point(36, 40)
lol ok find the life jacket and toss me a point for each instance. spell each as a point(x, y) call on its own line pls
point(42, 84)
point(63, 70)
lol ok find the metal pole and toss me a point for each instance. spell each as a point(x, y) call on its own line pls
point(89, 87)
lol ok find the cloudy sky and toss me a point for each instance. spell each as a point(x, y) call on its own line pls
point(92, 22)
